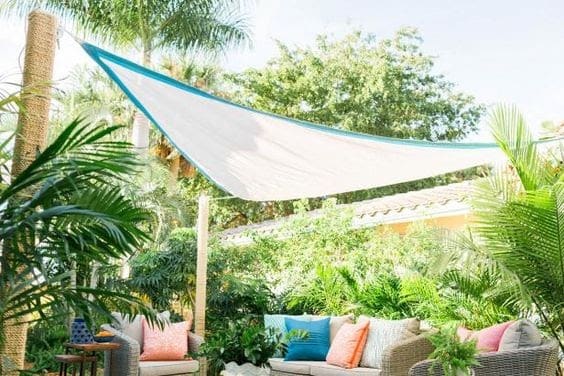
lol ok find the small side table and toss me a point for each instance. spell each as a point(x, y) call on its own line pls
point(90, 349)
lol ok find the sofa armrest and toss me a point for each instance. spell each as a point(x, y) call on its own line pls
point(399, 358)
point(125, 360)
point(539, 361)
point(194, 342)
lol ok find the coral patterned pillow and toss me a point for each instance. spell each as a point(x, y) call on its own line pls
point(171, 343)
point(348, 345)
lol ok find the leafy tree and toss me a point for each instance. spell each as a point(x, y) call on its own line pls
point(385, 88)
point(519, 218)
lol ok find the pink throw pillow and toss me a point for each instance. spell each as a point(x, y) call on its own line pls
point(346, 349)
point(487, 339)
point(171, 343)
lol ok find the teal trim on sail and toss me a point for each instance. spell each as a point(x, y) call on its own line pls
point(98, 54)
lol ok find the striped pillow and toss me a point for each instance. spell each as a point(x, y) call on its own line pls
point(382, 334)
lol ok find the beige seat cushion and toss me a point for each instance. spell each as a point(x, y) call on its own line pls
point(162, 368)
point(329, 370)
point(300, 367)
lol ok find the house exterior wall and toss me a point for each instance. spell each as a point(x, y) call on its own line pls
point(454, 222)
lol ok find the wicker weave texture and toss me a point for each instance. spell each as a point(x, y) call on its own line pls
point(536, 361)
point(125, 360)
point(14, 348)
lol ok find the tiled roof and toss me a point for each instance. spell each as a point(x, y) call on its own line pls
point(433, 202)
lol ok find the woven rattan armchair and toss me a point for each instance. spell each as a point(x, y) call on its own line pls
point(125, 360)
point(534, 361)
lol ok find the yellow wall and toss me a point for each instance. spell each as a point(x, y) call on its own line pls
point(455, 222)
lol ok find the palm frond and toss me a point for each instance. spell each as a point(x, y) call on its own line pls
point(514, 138)
point(204, 25)
point(519, 217)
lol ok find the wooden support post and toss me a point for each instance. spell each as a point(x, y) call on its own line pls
point(31, 135)
point(201, 266)
point(201, 273)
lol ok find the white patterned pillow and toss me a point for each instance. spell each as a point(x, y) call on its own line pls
point(382, 334)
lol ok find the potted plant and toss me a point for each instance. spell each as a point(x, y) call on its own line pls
point(456, 357)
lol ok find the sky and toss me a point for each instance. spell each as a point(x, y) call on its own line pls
point(500, 51)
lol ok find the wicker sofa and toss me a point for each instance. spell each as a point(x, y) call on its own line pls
point(533, 361)
point(396, 361)
point(125, 360)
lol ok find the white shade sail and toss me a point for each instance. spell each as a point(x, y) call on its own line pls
point(259, 156)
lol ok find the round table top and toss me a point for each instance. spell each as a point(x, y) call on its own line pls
point(94, 346)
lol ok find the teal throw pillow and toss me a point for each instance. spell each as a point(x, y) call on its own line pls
point(279, 325)
point(315, 346)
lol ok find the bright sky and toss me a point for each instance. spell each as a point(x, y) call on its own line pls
point(509, 51)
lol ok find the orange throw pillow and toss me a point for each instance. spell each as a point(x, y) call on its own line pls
point(171, 343)
point(346, 349)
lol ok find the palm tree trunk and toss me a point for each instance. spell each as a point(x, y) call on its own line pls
point(33, 121)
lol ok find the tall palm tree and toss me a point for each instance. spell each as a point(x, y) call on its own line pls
point(520, 217)
point(208, 26)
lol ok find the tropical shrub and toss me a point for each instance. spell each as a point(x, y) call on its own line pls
point(45, 340)
point(241, 341)
point(66, 210)
point(520, 223)
point(167, 274)
point(327, 267)
point(454, 356)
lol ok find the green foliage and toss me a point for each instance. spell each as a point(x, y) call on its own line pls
point(242, 341)
point(325, 294)
point(384, 87)
point(379, 295)
point(452, 354)
point(519, 219)
point(204, 25)
point(66, 209)
point(168, 274)
point(45, 340)
point(92, 96)
point(477, 297)
point(326, 267)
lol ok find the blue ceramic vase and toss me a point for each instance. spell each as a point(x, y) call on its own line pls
point(80, 332)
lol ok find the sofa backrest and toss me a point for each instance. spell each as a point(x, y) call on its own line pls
point(133, 326)
point(277, 322)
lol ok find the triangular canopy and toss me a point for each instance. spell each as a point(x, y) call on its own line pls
point(260, 156)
